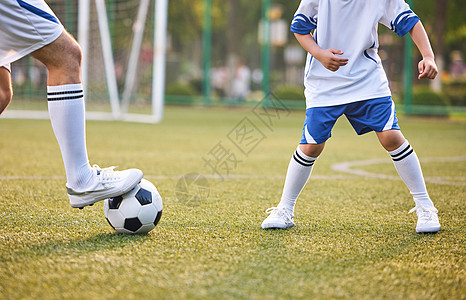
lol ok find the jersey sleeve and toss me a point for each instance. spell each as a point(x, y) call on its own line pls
point(399, 17)
point(305, 18)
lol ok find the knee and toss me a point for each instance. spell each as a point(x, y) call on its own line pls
point(391, 139)
point(64, 54)
point(5, 98)
point(391, 145)
point(75, 53)
point(71, 55)
point(312, 150)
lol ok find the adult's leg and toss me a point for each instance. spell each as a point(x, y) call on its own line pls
point(6, 91)
point(85, 185)
point(66, 106)
point(62, 58)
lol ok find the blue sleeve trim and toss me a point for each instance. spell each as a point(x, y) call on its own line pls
point(408, 25)
point(302, 24)
point(38, 11)
point(404, 22)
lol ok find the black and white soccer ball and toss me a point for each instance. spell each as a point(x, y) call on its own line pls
point(137, 211)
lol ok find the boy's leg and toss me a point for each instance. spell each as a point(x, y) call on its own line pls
point(299, 170)
point(407, 164)
point(6, 91)
point(316, 131)
point(85, 185)
point(298, 173)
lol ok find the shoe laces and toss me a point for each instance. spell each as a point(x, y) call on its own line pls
point(106, 174)
point(281, 212)
point(423, 213)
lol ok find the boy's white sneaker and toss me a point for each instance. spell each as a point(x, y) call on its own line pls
point(278, 218)
point(427, 219)
point(107, 183)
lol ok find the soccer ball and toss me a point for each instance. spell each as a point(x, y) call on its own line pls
point(137, 211)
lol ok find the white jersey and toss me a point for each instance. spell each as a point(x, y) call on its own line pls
point(25, 26)
point(349, 26)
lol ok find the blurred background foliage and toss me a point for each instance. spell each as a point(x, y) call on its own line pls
point(235, 53)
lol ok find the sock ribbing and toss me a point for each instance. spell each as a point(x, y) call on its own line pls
point(303, 159)
point(402, 152)
point(65, 92)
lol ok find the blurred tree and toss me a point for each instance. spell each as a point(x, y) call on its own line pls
point(235, 28)
point(440, 18)
point(185, 21)
point(445, 21)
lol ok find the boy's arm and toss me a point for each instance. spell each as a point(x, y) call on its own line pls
point(327, 57)
point(427, 67)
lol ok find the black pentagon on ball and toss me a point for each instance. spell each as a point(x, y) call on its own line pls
point(132, 224)
point(144, 197)
point(157, 218)
point(114, 203)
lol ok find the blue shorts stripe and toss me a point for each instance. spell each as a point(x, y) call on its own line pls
point(37, 11)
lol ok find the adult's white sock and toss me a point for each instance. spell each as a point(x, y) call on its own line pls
point(408, 167)
point(298, 173)
point(67, 115)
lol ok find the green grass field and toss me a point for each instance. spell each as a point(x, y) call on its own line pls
point(353, 239)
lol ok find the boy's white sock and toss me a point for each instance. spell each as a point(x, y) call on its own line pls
point(67, 115)
point(298, 173)
point(409, 169)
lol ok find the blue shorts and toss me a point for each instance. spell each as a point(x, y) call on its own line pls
point(365, 116)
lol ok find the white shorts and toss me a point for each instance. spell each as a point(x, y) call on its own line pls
point(7, 66)
point(25, 26)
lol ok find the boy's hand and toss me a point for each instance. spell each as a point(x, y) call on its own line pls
point(329, 59)
point(427, 68)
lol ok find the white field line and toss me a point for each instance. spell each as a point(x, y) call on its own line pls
point(344, 167)
point(159, 177)
point(348, 167)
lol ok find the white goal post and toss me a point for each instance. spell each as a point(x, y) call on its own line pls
point(121, 110)
point(141, 95)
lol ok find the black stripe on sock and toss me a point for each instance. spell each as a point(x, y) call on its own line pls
point(65, 98)
point(400, 158)
point(302, 161)
point(63, 93)
point(402, 151)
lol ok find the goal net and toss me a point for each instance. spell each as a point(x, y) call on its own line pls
point(123, 44)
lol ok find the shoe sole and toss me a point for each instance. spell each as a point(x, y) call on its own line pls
point(78, 202)
point(275, 226)
point(428, 230)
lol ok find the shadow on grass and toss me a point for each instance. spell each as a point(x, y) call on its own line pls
point(100, 242)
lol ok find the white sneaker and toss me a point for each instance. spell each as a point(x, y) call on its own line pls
point(278, 218)
point(107, 183)
point(427, 219)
